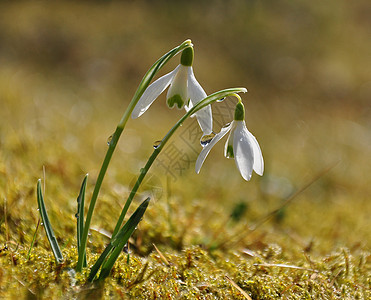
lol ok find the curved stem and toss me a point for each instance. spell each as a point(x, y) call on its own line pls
point(115, 137)
point(206, 101)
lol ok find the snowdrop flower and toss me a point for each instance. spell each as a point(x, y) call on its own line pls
point(184, 91)
point(241, 145)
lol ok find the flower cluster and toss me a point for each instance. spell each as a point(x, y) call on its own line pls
point(185, 91)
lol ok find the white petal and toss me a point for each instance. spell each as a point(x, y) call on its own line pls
point(243, 150)
point(205, 119)
point(188, 107)
point(196, 94)
point(205, 151)
point(152, 92)
point(179, 85)
point(229, 141)
point(258, 157)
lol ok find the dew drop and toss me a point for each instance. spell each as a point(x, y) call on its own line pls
point(42, 224)
point(72, 274)
point(206, 139)
point(126, 248)
point(220, 100)
point(109, 139)
point(77, 215)
point(226, 125)
point(157, 144)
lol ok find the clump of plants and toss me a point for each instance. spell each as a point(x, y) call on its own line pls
point(183, 92)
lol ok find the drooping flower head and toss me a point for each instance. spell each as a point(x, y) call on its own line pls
point(184, 91)
point(241, 145)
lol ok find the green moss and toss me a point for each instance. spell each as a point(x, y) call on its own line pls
point(192, 273)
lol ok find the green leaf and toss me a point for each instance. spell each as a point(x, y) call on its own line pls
point(33, 239)
point(48, 227)
point(80, 216)
point(101, 259)
point(119, 241)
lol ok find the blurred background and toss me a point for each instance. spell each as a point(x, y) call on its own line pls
point(68, 69)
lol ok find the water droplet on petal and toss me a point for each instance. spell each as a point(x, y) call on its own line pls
point(206, 139)
point(109, 139)
point(157, 144)
point(226, 125)
point(220, 100)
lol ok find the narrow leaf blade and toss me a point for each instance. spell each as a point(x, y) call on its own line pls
point(122, 237)
point(94, 270)
point(80, 215)
point(48, 227)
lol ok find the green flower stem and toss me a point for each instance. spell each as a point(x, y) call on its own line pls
point(206, 101)
point(115, 137)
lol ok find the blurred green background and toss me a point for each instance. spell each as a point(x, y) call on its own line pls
point(68, 70)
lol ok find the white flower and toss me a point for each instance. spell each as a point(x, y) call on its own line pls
point(184, 91)
point(241, 145)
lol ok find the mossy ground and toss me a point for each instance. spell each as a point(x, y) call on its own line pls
point(67, 73)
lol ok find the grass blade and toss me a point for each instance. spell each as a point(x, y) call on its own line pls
point(48, 227)
point(33, 239)
point(80, 216)
point(122, 237)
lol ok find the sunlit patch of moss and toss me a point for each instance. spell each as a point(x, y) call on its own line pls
point(195, 273)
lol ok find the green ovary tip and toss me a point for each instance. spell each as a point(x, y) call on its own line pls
point(187, 57)
point(176, 99)
point(239, 113)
